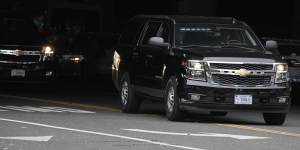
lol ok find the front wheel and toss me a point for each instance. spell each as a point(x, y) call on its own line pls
point(173, 111)
point(274, 118)
point(130, 104)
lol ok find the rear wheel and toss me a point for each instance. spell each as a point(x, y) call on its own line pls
point(173, 111)
point(218, 113)
point(128, 99)
point(274, 118)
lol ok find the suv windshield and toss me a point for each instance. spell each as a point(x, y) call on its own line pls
point(214, 36)
point(18, 31)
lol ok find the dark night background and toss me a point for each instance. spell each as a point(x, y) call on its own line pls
point(275, 19)
point(268, 18)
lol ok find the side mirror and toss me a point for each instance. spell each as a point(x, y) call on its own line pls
point(271, 45)
point(158, 41)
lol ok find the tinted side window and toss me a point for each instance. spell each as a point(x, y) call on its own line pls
point(152, 31)
point(131, 33)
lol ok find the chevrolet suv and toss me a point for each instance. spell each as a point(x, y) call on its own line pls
point(200, 64)
point(24, 54)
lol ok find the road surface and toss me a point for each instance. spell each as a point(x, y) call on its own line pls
point(74, 116)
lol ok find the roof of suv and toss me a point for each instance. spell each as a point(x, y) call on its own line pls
point(194, 19)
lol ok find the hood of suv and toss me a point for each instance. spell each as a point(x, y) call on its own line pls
point(21, 47)
point(201, 52)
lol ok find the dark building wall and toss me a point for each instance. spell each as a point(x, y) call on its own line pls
point(280, 18)
point(296, 20)
point(197, 7)
point(124, 10)
point(268, 18)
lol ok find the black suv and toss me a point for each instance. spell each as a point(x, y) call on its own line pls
point(200, 64)
point(25, 55)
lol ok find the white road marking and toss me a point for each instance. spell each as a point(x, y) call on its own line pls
point(39, 109)
point(70, 110)
point(44, 109)
point(29, 138)
point(104, 134)
point(239, 137)
point(57, 102)
point(16, 108)
point(52, 109)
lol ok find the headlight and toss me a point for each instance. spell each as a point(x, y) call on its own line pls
point(195, 70)
point(116, 61)
point(281, 67)
point(47, 50)
point(281, 73)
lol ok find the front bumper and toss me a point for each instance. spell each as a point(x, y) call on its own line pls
point(37, 72)
point(221, 98)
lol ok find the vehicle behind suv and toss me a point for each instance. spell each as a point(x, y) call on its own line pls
point(289, 50)
point(25, 55)
point(200, 64)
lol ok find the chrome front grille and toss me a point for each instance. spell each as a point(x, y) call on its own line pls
point(19, 56)
point(23, 58)
point(241, 66)
point(241, 81)
point(241, 74)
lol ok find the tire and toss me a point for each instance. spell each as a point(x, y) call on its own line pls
point(128, 99)
point(173, 112)
point(218, 113)
point(274, 118)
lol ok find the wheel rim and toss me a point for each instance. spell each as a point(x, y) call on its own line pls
point(124, 93)
point(171, 99)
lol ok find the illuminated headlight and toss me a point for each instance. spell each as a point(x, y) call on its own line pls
point(281, 67)
point(116, 61)
point(76, 59)
point(47, 50)
point(282, 74)
point(195, 70)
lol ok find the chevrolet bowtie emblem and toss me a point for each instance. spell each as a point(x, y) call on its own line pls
point(244, 72)
point(18, 52)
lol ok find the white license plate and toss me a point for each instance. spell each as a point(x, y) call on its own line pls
point(243, 99)
point(18, 73)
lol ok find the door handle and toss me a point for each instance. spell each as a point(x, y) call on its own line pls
point(149, 56)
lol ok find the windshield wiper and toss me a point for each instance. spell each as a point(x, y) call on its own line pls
point(238, 46)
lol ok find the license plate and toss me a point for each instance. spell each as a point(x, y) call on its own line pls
point(243, 99)
point(18, 73)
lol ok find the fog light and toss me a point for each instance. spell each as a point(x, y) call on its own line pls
point(195, 97)
point(282, 100)
point(49, 73)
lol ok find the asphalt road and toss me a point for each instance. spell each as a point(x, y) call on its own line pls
point(76, 116)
